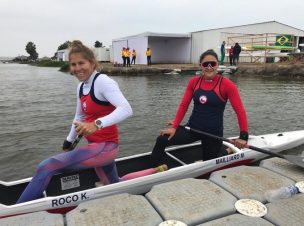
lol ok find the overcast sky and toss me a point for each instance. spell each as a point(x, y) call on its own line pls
point(49, 23)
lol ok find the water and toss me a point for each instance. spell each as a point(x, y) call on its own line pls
point(37, 106)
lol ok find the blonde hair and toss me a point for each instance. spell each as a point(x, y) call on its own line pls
point(86, 53)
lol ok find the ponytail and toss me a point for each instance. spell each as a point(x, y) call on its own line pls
point(78, 47)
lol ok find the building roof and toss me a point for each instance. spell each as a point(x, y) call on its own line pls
point(156, 34)
point(62, 50)
point(266, 22)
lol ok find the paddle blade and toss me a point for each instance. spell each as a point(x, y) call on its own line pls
point(295, 159)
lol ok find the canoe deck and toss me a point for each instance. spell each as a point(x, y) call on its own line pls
point(192, 201)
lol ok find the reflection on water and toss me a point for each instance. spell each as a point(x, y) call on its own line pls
point(37, 107)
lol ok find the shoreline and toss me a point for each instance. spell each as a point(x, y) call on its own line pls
point(280, 70)
point(154, 69)
point(287, 70)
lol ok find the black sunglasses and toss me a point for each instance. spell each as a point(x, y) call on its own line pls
point(209, 64)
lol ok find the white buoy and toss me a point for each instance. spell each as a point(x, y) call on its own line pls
point(251, 207)
point(300, 186)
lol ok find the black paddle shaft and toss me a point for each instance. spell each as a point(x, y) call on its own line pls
point(298, 160)
point(76, 141)
point(230, 141)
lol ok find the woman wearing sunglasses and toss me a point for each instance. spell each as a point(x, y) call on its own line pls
point(210, 93)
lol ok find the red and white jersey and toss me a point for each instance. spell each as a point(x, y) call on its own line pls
point(100, 98)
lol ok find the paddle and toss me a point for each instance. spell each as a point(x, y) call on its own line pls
point(76, 141)
point(298, 160)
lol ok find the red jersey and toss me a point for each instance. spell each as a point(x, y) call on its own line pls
point(225, 91)
point(93, 109)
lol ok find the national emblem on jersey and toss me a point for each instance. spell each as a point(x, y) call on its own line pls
point(84, 106)
point(203, 99)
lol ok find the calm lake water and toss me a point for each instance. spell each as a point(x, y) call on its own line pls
point(37, 106)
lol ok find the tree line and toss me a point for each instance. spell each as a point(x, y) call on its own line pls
point(33, 54)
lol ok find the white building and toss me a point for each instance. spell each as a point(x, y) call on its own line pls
point(101, 54)
point(63, 55)
point(187, 48)
point(166, 48)
point(257, 33)
point(111, 53)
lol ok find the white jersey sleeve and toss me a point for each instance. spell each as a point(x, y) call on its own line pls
point(106, 89)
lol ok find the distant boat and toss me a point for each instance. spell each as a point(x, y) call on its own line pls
point(173, 72)
point(222, 69)
point(265, 47)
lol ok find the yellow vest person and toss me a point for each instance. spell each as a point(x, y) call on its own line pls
point(133, 56)
point(123, 55)
point(149, 55)
point(127, 55)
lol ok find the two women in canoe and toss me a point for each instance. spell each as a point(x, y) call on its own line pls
point(210, 93)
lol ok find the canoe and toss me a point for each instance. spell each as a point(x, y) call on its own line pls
point(222, 69)
point(65, 191)
point(265, 47)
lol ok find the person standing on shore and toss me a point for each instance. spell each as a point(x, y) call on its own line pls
point(223, 52)
point(128, 54)
point(230, 51)
point(236, 53)
point(149, 55)
point(133, 56)
point(123, 55)
point(210, 93)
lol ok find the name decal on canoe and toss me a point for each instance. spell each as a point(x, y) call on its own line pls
point(70, 182)
point(229, 158)
point(75, 198)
